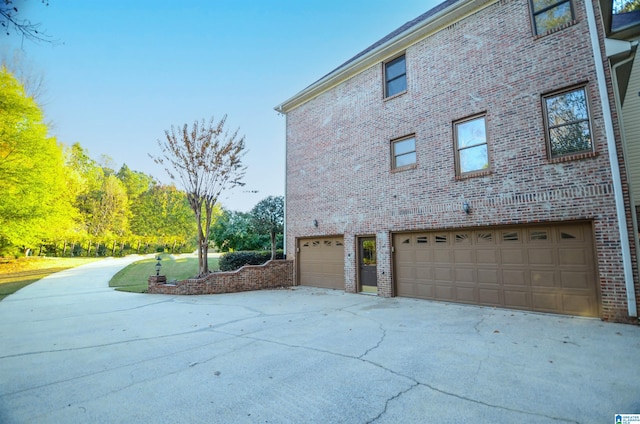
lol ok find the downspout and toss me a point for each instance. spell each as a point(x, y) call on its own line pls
point(613, 160)
point(284, 228)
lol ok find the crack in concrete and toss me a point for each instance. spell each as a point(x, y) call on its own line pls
point(177, 371)
point(146, 305)
point(386, 403)
point(259, 314)
point(132, 382)
point(153, 358)
point(120, 342)
point(382, 337)
point(504, 408)
point(415, 383)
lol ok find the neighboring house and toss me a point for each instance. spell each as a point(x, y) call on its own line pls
point(474, 155)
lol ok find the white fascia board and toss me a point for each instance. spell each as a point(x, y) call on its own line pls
point(615, 47)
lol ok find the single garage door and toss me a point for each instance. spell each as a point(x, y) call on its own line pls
point(322, 262)
point(539, 268)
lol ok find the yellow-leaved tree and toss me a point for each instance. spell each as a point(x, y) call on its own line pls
point(35, 204)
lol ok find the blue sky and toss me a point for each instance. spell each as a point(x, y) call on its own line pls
point(123, 71)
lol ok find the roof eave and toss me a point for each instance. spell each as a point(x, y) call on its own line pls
point(445, 17)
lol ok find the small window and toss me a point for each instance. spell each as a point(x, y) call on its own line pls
point(395, 76)
point(538, 235)
point(485, 237)
point(567, 123)
point(441, 238)
point(510, 236)
point(567, 236)
point(404, 152)
point(339, 243)
point(327, 242)
point(462, 238)
point(471, 146)
point(422, 239)
point(551, 14)
point(406, 241)
point(315, 244)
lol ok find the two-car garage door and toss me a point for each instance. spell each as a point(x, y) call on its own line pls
point(539, 268)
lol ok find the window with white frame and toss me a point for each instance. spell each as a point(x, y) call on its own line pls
point(472, 153)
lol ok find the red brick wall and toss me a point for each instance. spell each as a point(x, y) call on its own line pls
point(338, 145)
point(273, 274)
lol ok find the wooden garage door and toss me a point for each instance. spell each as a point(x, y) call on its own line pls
point(322, 262)
point(539, 268)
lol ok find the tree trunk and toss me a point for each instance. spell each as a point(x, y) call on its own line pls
point(273, 245)
point(202, 245)
point(208, 208)
point(205, 256)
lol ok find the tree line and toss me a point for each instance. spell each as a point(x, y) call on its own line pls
point(56, 200)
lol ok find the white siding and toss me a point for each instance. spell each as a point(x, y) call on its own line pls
point(631, 119)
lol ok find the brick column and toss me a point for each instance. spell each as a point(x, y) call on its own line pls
point(156, 280)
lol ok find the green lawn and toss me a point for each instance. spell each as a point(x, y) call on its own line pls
point(134, 277)
point(18, 273)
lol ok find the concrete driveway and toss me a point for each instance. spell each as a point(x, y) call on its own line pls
point(74, 351)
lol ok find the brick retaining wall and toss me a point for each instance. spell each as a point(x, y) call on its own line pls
point(273, 274)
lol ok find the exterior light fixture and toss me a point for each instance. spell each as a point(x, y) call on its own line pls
point(158, 265)
point(466, 208)
point(315, 223)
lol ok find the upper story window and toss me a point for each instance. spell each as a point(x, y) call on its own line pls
point(551, 14)
point(395, 76)
point(403, 153)
point(567, 123)
point(472, 154)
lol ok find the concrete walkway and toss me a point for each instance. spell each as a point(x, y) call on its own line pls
point(74, 351)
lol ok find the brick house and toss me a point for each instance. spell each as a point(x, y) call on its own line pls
point(474, 155)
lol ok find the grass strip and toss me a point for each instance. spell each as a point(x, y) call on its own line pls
point(134, 278)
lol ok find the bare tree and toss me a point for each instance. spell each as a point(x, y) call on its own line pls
point(27, 72)
point(11, 20)
point(206, 160)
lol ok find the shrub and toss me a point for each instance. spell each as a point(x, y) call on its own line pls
point(235, 260)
